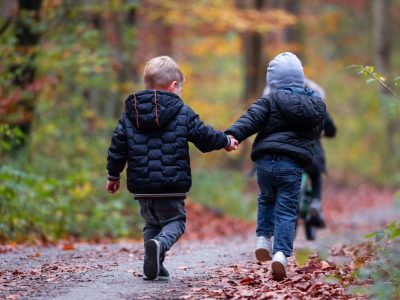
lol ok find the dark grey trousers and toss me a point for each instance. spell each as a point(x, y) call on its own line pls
point(165, 221)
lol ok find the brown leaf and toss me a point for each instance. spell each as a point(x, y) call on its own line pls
point(247, 281)
point(68, 247)
point(325, 265)
point(17, 272)
point(312, 290)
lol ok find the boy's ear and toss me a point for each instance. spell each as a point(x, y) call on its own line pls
point(173, 86)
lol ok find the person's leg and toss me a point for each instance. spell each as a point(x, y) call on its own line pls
point(315, 214)
point(265, 211)
point(288, 180)
point(266, 202)
point(171, 215)
point(151, 228)
point(316, 184)
point(152, 247)
point(287, 199)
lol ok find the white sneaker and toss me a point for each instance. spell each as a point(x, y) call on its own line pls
point(263, 248)
point(279, 264)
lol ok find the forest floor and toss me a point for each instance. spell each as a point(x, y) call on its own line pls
point(215, 259)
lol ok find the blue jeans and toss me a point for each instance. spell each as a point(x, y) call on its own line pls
point(279, 180)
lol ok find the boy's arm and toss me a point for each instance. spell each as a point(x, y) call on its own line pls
point(329, 126)
point(251, 121)
point(117, 152)
point(205, 137)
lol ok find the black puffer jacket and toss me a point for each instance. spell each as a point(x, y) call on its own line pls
point(288, 122)
point(329, 131)
point(152, 136)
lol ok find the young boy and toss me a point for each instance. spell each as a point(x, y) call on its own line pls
point(152, 136)
point(288, 121)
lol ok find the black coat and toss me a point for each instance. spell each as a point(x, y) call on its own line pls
point(288, 122)
point(152, 136)
point(329, 130)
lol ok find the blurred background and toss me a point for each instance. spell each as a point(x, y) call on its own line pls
point(67, 66)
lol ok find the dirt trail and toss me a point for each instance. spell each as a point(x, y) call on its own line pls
point(113, 271)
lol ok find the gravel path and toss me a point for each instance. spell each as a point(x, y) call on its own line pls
point(113, 271)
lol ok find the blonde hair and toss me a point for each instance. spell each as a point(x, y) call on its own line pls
point(160, 71)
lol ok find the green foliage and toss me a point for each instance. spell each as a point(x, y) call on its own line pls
point(34, 207)
point(361, 127)
point(302, 255)
point(372, 76)
point(225, 191)
point(9, 137)
point(391, 232)
point(384, 270)
point(361, 114)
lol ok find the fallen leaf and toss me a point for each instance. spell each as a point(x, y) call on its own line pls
point(68, 247)
point(325, 265)
point(247, 281)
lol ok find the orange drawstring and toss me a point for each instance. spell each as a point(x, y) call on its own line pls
point(155, 102)
point(137, 113)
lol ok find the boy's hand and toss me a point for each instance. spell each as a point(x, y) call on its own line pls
point(233, 145)
point(112, 186)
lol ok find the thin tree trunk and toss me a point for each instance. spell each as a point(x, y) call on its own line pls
point(294, 35)
point(254, 76)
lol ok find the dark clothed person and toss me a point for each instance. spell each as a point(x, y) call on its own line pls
point(152, 138)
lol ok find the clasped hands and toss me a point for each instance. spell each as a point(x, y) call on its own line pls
point(233, 145)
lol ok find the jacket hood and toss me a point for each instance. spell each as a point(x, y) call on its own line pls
point(152, 109)
point(285, 70)
point(300, 106)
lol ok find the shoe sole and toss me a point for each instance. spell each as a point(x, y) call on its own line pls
point(151, 265)
point(263, 255)
point(159, 278)
point(278, 270)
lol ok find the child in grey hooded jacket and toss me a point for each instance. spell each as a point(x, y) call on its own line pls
point(288, 121)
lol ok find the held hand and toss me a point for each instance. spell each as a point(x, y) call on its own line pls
point(112, 186)
point(234, 144)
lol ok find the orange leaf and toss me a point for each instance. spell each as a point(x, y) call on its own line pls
point(68, 247)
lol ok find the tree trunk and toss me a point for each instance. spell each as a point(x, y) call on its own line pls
point(156, 36)
point(254, 60)
point(254, 76)
point(24, 73)
point(294, 35)
point(382, 44)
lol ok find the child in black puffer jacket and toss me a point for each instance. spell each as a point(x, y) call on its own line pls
point(288, 121)
point(152, 136)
